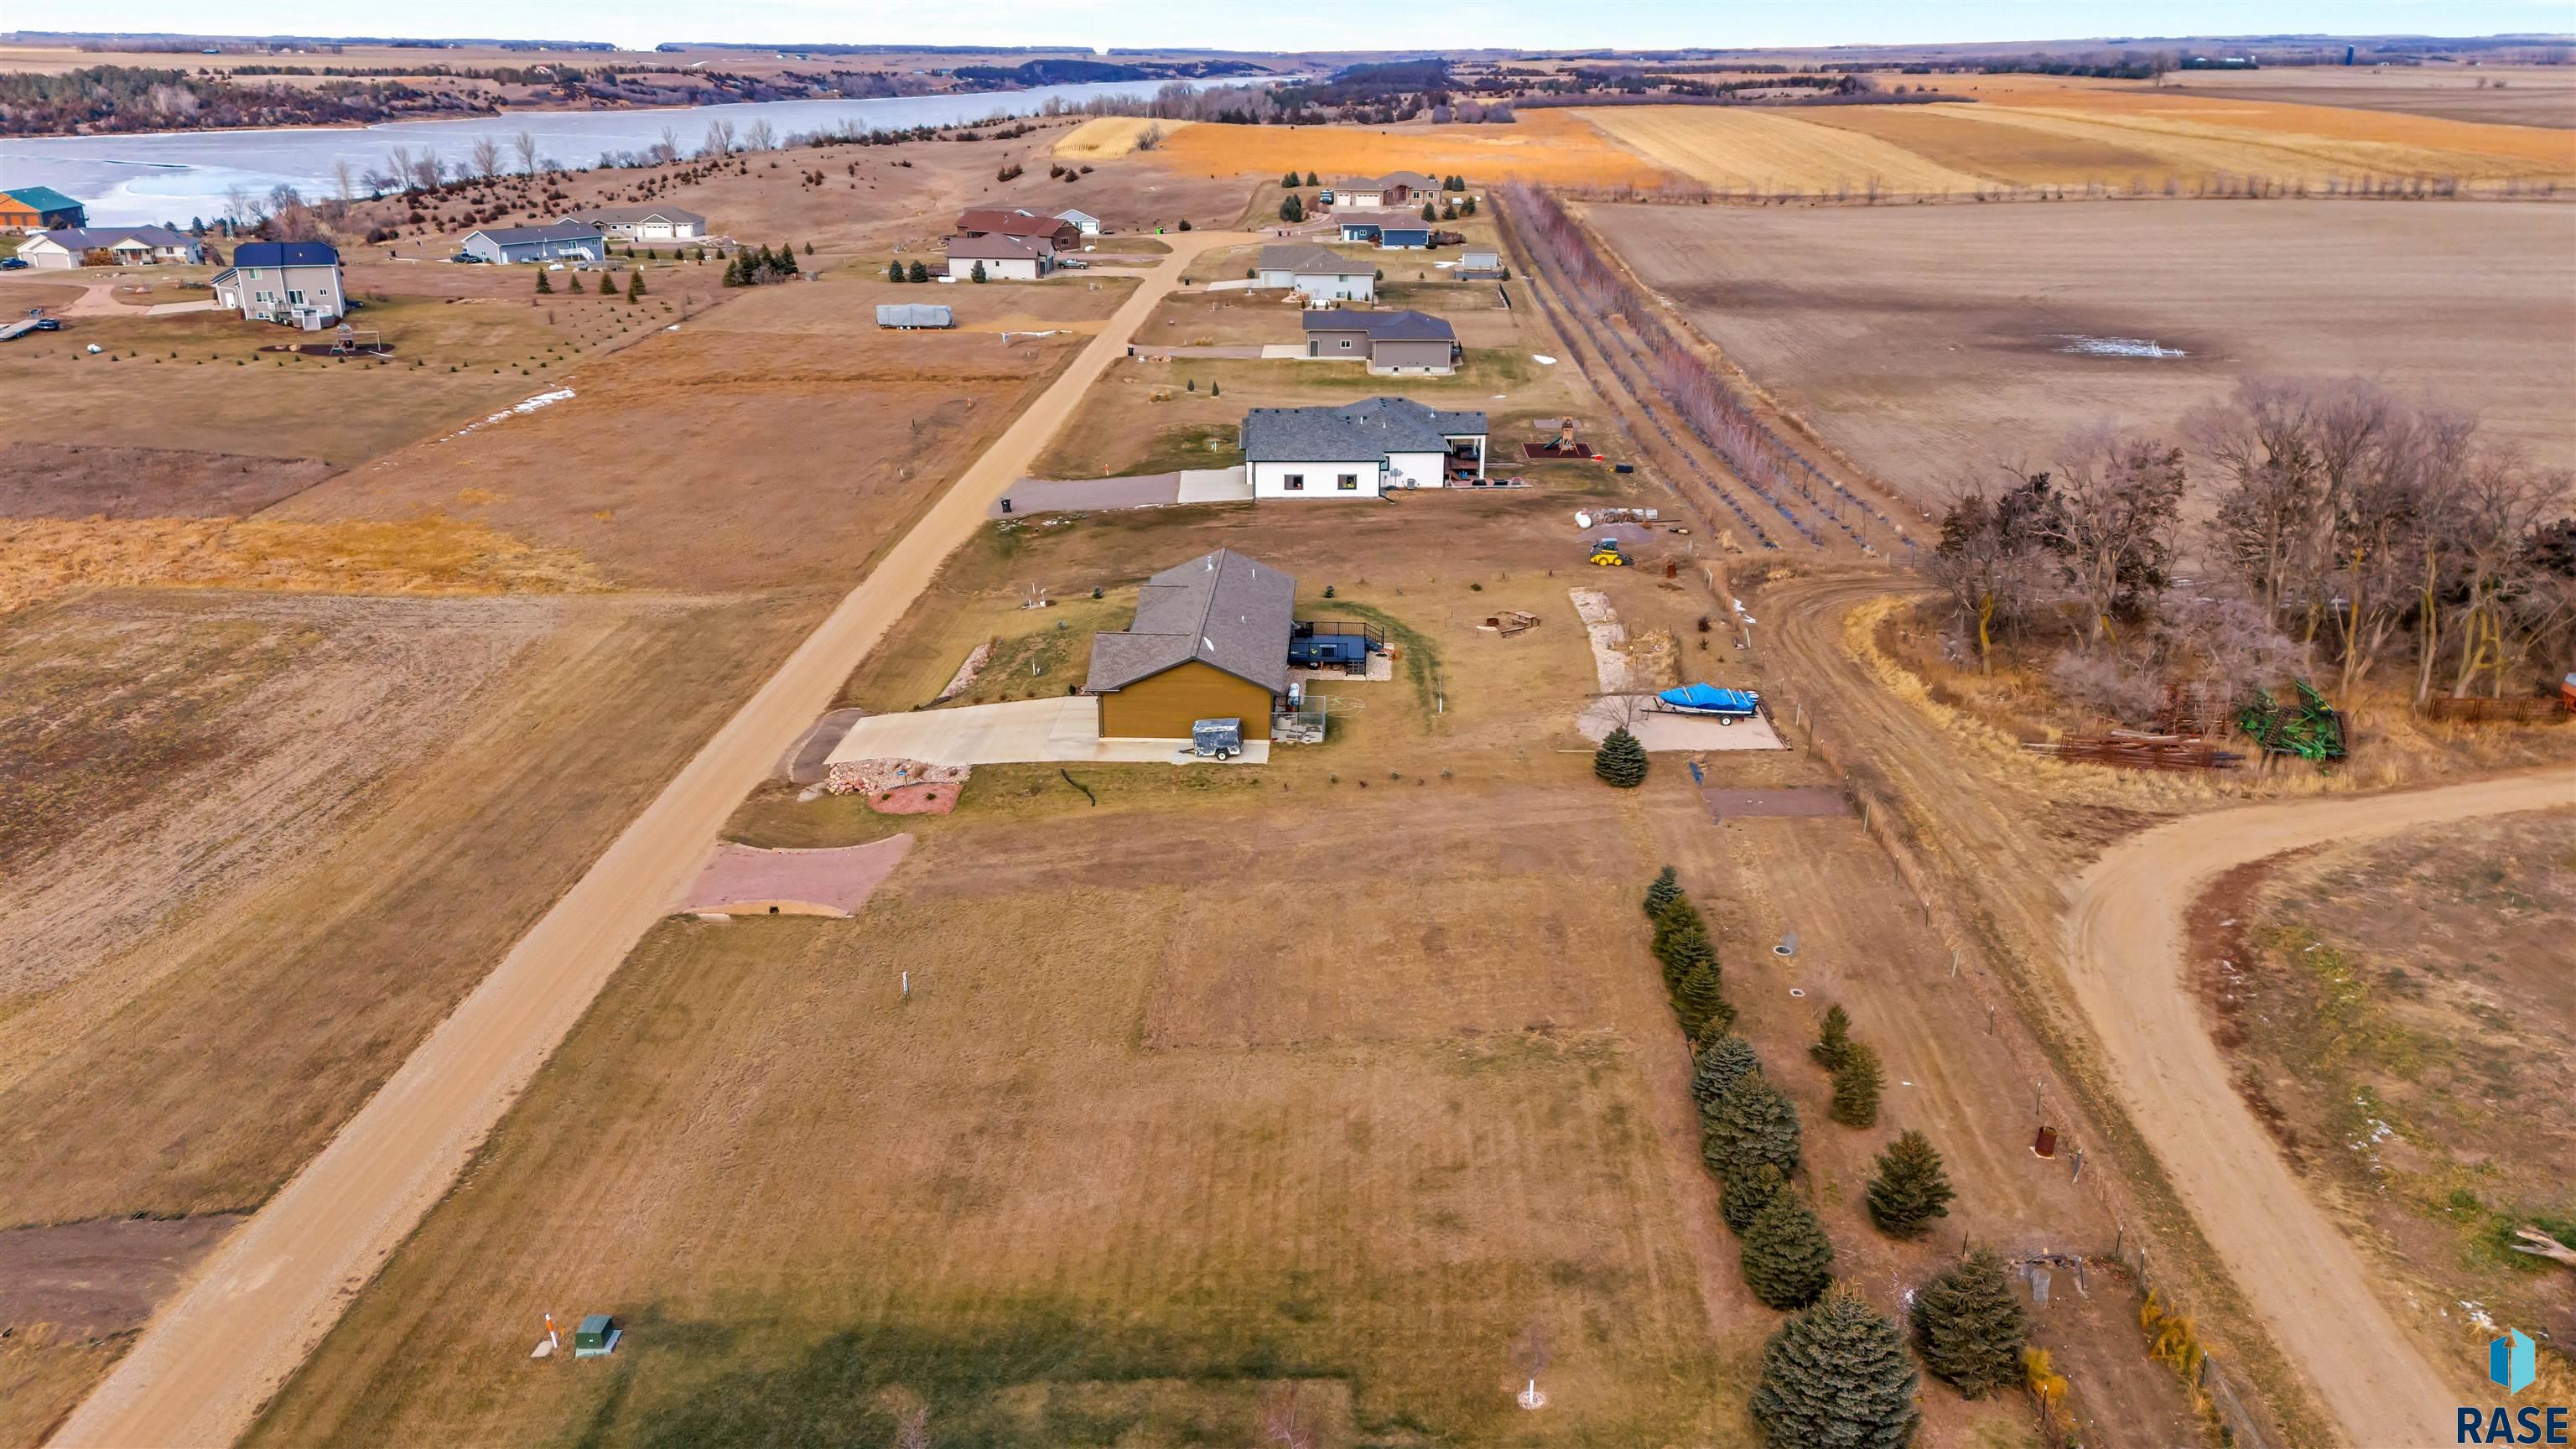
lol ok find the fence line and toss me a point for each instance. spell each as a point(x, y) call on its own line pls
point(2215, 1381)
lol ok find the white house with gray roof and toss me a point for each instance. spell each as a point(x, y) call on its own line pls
point(1321, 273)
point(126, 246)
point(1360, 450)
point(567, 241)
point(641, 223)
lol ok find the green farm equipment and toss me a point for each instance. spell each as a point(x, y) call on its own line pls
point(2312, 729)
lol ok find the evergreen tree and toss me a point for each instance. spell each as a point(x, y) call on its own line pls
point(1661, 891)
point(894, 270)
point(1310, 179)
point(1752, 1124)
point(1836, 1375)
point(1467, 205)
point(787, 258)
point(1289, 181)
point(1970, 1328)
point(1832, 1039)
point(1723, 1061)
point(1291, 208)
point(1701, 1000)
point(635, 285)
point(1857, 1084)
point(1185, 223)
point(733, 273)
point(1428, 214)
point(1910, 1189)
point(607, 288)
point(920, 273)
point(1448, 210)
point(977, 275)
point(1786, 1256)
point(1621, 760)
point(1741, 1199)
point(544, 287)
point(1681, 942)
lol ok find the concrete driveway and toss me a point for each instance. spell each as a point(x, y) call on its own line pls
point(1019, 732)
point(1663, 733)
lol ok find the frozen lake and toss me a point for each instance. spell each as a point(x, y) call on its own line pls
point(131, 180)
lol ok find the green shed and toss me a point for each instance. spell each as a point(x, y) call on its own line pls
point(598, 1334)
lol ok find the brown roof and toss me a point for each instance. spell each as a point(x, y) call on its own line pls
point(1012, 223)
point(1221, 609)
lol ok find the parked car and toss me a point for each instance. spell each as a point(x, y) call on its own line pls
point(49, 324)
point(465, 257)
point(13, 264)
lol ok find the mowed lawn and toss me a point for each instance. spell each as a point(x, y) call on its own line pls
point(1338, 1090)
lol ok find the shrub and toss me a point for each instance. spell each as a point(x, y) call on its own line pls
point(1970, 1328)
point(977, 275)
point(894, 270)
point(919, 273)
point(1620, 761)
point(1836, 1374)
point(1911, 1189)
point(1787, 1258)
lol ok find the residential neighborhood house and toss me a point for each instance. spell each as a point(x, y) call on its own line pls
point(297, 283)
point(1003, 258)
point(564, 241)
point(1361, 449)
point(641, 223)
point(1389, 342)
point(1388, 230)
point(1210, 641)
point(1480, 262)
point(1083, 221)
point(1321, 273)
point(123, 246)
point(1369, 193)
point(36, 208)
point(1056, 231)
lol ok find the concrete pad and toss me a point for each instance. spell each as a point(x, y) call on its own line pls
point(1663, 733)
point(741, 880)
point(1024, 731)
point(172, 309)
point(1286, 351)
point(1060, 495)
point(1215, 485)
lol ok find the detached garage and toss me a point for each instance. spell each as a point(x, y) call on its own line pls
point(1210, 641)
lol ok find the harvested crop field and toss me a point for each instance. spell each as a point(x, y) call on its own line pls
point(1765, 151)
point(424, 555)
point(2507, 95)
point(2382, 1001)
point(1927, 342)
point(71, 1294)
point(1106, 138)
point(83, 480)
point(1544, 145)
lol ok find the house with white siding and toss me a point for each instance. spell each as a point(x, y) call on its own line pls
point(1083, 221)
point(1003, 258)
point(559, 241)
point(1322, 274)
point(641, 223)
point(1360, 450)
point(124, 246)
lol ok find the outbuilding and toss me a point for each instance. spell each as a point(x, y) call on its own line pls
point(559, 241)
point(913, 316)
point(1083, 221)
point(1210, 641)
point(37, 208)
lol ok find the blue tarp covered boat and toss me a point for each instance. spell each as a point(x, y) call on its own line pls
point(1726, 704)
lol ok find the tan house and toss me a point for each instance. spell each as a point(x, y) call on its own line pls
point(123, 246)
point(1210, 641)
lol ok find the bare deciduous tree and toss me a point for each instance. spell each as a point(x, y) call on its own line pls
point(1281, 1422)
point(914, 1431)
point(667, 150)
point(719, 142)
point(1989, 560)
point(2111, 519)
point(399, 158)
point(345, 178)
point(485, 158)
point(525, 143)
point(762, 136)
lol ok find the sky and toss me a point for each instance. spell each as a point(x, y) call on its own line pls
point(1362, 24)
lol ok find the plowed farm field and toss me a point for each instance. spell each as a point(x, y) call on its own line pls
point(1544, 145)
point(1931, 342)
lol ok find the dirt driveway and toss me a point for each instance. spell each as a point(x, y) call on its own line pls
point(1016, 732)
point(264, 1298)
point(2124, 940)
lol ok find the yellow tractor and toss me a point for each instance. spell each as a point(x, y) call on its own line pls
point(1608, 555)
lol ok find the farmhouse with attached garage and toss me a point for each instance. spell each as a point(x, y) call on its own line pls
point(1210, 641)
point(124, 246)
point(1368, 193)
point(297, 283)
point(1055, 231)
point(1389, 342)
point(1361, 449)
point(1387, 230)
point(641, 223)
point(569, 241)
point(1003, 258)
point(1319, 272)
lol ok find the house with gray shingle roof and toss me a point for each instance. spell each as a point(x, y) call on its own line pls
point(641, 223)
point(125, 246)
point(1389, 342)
point(570, 241)
point(1210, 641)
point(1361, 449)
point(1321, 273)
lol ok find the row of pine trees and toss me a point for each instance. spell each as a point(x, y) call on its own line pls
point(1837, 1372)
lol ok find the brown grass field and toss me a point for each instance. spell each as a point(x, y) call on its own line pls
point(1741, 149)
point(1926, 341)
point(2507, 95)
point(2401, 1016)
point(1149, 1143)
point(1543, 145)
